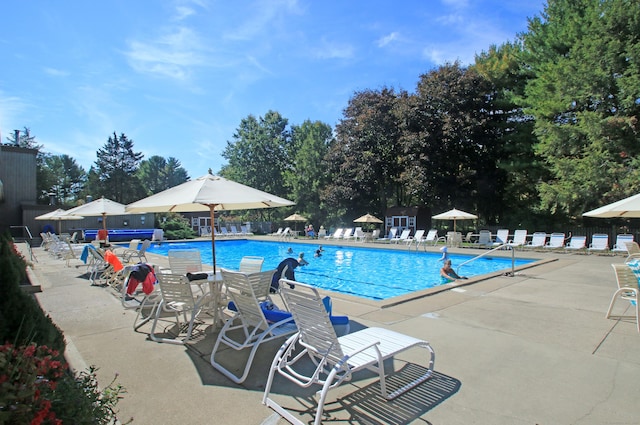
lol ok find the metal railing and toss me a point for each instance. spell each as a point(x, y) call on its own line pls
point(513, 257)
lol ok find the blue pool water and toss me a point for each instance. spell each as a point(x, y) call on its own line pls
point(372, 273)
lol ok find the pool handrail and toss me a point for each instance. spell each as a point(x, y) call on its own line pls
point(513, 258)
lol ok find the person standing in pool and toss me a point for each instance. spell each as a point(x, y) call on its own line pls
point(447, 274)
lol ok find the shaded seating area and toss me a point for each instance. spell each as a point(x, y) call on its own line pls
point(316, 356)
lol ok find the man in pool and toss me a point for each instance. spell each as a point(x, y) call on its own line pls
point(447, 274)
point(301, 259)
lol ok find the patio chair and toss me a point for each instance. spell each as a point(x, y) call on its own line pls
point(432, 238)
point(315, 355)
point(392, 235)
point(556, 241)
point(620, 245)
point(538, 240)
point(336, 235)
point(502, 237)
point(403, 236)
point(249, 318)
point(599, 242)
point(183, 261)
point(519, 238)
point(178, 300)
point(576, 243)
point(484, 239)
point(634, 251)
point(627, 282)
point(286, 233)
point(277, 233)
point(415, 238)
point(137, 255)
point(251, 264)
point(359, 235)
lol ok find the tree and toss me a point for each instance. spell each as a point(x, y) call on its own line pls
point(309, 145)
point(157, 174)
point(503, 67)
point(116, 167)
point(585, 97)
point(363, 160)
point(450, 144)
point(64, 178)
point(258, 154)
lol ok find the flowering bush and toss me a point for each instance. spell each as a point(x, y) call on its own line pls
point(28, 378)
point(36, 388)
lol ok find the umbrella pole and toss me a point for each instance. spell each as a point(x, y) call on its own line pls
point(212, 215)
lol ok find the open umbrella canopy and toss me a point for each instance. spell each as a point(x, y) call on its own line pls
point(624, 208)
point(59, 215)
point(295, 217)
point(208, 193)
point(454, 215)
point(100, 207)
point(367, 218)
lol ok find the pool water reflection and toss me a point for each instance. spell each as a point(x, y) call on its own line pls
point(371, 273)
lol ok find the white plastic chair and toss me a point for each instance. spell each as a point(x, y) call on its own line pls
point(249, 318)
point(335, 358)
point(627, 282)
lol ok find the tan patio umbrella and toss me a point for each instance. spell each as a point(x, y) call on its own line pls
point(59, 215)
point(208, 193)
point(100, 207)
point(454, 215)
point(367, 218)
point(295, 218)
point(624, 208)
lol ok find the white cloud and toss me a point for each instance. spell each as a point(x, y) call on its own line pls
point(56, 72)
point(387, 39)
point(171, 55)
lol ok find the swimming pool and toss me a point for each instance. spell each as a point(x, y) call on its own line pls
point(372, 273)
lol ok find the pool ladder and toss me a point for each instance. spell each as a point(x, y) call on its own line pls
point(513, 257)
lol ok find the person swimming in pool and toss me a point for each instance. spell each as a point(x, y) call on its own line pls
point(447, 274)
point(301, 259)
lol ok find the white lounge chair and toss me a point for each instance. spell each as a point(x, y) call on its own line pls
point(519, 238)
point(599, 243)
point(277, 233)
point(432, 238)
point(348, 233)
point(556, 241)
point(359, 235)
point(178, 300)
point(538, 240)
point(620, 245)
point(634, 251)
point(335, 358)
point(577, 243)
point(392, 234)
point(416, 238)
point(137, 255)
point(403, 236)
point(484, 239)
point(183, 261)
point(627, 290)
point(337, 234)
point(249, 318)
point(502, 237)
point(251, 264)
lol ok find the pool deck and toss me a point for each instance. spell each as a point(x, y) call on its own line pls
point(534, 348)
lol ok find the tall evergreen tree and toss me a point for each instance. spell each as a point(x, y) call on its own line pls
point(309, 145)
point(585, 97)
point(116, 167)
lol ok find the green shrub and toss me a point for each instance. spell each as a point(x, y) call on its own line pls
point(36, 384)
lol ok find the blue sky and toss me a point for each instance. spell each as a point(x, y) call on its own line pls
point(178, 76)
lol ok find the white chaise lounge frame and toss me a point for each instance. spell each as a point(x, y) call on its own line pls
point(336, 359)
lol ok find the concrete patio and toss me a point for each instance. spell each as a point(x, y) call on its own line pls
point(534, 348)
